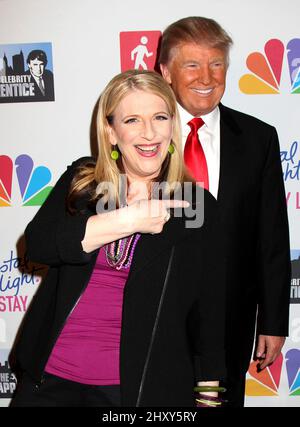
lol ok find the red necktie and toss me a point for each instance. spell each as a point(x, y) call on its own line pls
point(194, 156)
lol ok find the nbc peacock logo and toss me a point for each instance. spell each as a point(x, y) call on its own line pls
point(267, 381)
point(266, 68)
point(32, 181)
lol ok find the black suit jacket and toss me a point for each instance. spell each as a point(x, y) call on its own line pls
point(49, 87)
point(253, 212)
point(173, 310)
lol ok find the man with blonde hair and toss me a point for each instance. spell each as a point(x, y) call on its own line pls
point(237, 158)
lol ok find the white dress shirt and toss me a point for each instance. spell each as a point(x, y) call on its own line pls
point(209, 135)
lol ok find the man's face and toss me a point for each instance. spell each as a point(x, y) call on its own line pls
point(36, 67)
point(197, 75)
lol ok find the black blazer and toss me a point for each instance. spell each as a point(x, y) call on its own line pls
point(173, 311)
point(49, 87)
point(252, 205)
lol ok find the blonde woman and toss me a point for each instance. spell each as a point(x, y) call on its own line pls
point(131, 311)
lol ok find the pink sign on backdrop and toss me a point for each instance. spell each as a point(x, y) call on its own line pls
point(138, 49)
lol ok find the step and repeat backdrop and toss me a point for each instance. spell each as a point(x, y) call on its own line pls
point(76, 47)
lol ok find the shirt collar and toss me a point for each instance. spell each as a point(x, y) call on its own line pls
point(211, 119)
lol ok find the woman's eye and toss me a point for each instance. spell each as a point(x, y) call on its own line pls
point(131, 120)
point(162, 117)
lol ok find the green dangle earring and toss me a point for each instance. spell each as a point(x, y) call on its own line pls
point(171, 148)
point(114, 154)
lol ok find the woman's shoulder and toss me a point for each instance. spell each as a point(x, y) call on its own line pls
point(77, 165)
point(83, 161)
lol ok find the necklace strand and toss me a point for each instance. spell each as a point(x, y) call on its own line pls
point(119, 253)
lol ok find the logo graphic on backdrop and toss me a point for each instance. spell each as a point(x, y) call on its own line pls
point(290, 162)
point(295, 281)
point(138, 49)
point(26, 72)
point(267, 382)
point(18, 279)
point(267, 68)
point(3, 328)
point(32, 181)
point(8, 380)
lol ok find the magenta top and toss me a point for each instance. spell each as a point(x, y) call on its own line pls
point(87, 350)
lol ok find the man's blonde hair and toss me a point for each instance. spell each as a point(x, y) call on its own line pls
point(193, 29)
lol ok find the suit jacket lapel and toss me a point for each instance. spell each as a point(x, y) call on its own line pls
point(231, 147)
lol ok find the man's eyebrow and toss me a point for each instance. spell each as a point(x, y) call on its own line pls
point(188, 61)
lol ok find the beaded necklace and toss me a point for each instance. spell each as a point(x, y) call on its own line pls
point(120, 252)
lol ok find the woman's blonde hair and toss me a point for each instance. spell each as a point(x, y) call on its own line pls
point(107, 170)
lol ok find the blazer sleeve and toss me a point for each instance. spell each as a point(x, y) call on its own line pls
point(273, 250)
point(207, 318)
point(54, 236)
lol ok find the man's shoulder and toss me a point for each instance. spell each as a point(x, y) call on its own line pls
point(242, 119)
point(47, 72)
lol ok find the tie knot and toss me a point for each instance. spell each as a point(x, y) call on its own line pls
point(195, 123)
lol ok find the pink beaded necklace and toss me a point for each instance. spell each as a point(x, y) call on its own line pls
point(120, 252)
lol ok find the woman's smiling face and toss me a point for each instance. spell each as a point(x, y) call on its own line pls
point(142, 128)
